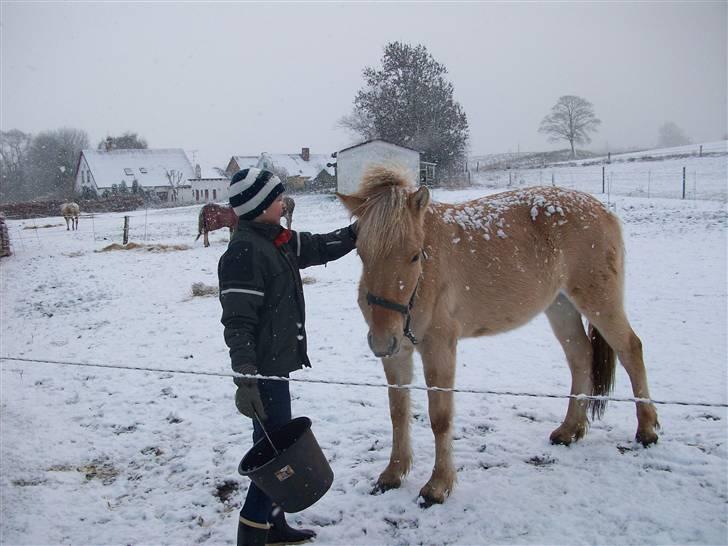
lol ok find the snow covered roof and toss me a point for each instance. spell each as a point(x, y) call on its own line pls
point(148, 167)
point(378, 140)
point(246, 161)
point(295, 165)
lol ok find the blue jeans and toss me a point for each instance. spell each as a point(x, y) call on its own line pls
point(276, 397)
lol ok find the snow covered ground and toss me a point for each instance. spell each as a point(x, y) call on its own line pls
point(107, 456)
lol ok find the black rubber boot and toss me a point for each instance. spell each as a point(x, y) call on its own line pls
point(251, 533)
point(281, 533)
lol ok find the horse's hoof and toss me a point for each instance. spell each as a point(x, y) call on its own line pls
point(380, 488)
point(561, 439)
point(646, 438)
point(425, 501)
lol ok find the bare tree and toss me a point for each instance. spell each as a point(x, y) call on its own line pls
point(175, 178)
point(127, 141)
point(14, 146)
point(52, 159)
point(671, 135)
point(572, 118)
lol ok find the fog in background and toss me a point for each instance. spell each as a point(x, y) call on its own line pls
point(243, 78)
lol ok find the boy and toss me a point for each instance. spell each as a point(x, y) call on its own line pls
point(263, 312)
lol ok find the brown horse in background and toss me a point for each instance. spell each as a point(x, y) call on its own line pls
point(70, 212)
point(288, 206)
point(212, 217)
point(435, 272)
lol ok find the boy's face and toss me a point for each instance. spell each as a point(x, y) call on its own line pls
point(272, 215)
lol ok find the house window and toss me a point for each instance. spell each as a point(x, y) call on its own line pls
point(143, 170)
point(128, 172)
point(207, 195)
point(214, 195)
point(197, 195)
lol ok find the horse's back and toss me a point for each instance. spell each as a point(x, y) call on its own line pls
point(513, 252)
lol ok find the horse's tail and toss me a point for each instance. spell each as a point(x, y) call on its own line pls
point(200, 223)
point(603, 367)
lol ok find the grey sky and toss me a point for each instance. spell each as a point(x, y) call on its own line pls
point(242, 78)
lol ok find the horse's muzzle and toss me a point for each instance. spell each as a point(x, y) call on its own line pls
point(388, 346)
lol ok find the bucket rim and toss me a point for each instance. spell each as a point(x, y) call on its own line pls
point(243, 472)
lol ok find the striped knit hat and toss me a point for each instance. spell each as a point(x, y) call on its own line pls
point(252, 191)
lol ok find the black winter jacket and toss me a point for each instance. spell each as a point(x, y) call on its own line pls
point(261, 293)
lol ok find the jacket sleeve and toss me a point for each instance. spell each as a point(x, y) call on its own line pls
point(242, 289)
point(313, 249)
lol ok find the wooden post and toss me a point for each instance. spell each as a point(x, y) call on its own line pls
point(649, 180)
point(602, 178)
point(683, 192)
point(701, 150)
point(552, 179)
point(126, 230)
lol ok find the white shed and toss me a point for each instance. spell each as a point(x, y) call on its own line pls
point(353, 161)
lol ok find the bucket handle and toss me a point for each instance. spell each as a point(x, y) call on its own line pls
point(260, 422)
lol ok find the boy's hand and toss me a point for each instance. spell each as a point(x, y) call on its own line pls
point(247, 397)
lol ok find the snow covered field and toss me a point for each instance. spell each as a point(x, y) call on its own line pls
point(108, 456)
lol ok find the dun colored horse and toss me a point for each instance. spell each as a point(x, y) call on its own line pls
point(212, 217)
point(436, 272)
point(70, 212)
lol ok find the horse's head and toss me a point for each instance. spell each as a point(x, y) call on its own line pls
point(390, 243)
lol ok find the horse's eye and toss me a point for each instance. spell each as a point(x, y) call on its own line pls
point(415, 258)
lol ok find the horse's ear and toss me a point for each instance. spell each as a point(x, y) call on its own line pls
point(419, 200)
point(351, 202)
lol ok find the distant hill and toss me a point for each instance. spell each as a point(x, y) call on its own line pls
point(533, 160)
point(524, 160)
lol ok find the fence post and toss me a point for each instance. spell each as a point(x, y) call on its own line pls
point(126, 230)
point(683, 192)
point(701, 150)
point(552, 179)
point(649, 180)
point(602, 178)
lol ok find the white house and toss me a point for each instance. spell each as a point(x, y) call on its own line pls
point(304, 171)
point(353, 161)
point(165, 172)
point(210, 185)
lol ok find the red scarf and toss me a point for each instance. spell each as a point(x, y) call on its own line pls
point(283, 237)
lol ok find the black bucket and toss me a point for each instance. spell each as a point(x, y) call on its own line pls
point(295, 477)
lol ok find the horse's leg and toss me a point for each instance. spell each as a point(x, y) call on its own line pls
point(566, 323)
point(603, 307)
point(204, 238)
point(231, 233)
point(438, 359)
point(398, 370)
point(67, 226)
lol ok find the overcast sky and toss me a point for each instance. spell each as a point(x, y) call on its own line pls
point(243, 78)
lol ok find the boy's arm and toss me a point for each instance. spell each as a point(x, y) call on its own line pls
point(241, 296)
point(314, 249)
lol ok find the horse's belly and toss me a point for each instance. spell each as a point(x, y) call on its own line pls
point(487, 312)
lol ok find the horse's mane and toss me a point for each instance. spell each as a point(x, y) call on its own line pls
point(383, 213)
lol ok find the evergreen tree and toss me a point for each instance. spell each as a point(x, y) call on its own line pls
point(409, 102)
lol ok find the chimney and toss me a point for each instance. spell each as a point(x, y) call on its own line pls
point(198, 171)
point(305, 155)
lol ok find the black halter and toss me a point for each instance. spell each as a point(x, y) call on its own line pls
point(404, 310)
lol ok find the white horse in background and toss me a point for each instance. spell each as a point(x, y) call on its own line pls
point(70, 211)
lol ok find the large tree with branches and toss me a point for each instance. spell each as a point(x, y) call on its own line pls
point(409, 102)
point(572, 118)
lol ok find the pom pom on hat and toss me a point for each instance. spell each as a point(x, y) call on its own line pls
point(252, 191)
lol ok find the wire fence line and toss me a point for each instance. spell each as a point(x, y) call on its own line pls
point(371, 385)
